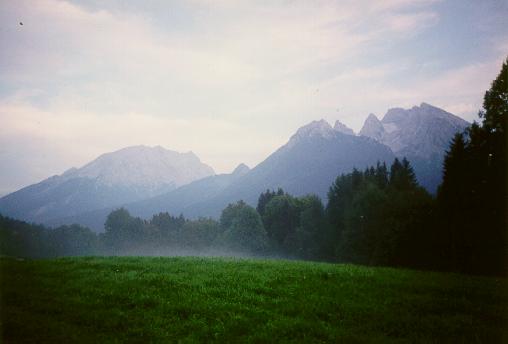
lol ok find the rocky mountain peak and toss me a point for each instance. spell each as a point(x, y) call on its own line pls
point(372, 127)
point(112, 179)
point(397, 114)
point(342, 128)
point(424, 105)
point(143, 166)
point(241, 169)
point(315, 128)
point(422, 131)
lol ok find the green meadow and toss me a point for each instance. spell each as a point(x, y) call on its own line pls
point(145, 299)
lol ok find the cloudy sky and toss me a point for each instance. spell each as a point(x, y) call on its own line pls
point(229, 80)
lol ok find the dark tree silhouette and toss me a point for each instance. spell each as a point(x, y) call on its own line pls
point(473, 196)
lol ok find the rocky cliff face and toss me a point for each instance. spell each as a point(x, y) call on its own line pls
point(372, 128)
point(144, 167)
point(342, 128)
point(422, 134)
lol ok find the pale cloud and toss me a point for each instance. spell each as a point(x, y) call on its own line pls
point(398, 4)
point(412, 22)
point(459, 90)
point(232, 81)
point(256, 42)
point(85, 135)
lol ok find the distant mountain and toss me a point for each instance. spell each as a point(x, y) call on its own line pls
point(119, 177)
point(175, 201)
point(308, 163)
point(422, 134)
point(373, 128)
point(150, 180)
point(341, 127)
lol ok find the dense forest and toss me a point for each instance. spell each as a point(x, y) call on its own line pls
point(376, 216)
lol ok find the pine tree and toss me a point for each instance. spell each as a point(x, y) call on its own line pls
point(454, 198)
point(495, 103)
point(488, 151)
point(381, 175)
point(473, 195)
point(263, 200)
point(409, 174)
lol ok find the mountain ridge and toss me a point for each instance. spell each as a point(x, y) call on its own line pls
point(125, 175)
point(308, 162)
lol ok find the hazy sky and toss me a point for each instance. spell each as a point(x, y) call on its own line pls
point(229, 80)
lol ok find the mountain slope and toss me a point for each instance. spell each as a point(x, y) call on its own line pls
point(119, 177)
point(151, 181)
point(174, 201)
point(314, 156)
point(422, 134)
point(309, 163)
point(179, 200)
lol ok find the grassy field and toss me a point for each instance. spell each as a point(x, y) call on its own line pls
point(230, 300)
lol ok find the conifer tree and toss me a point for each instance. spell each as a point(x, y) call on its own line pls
point(473, 195)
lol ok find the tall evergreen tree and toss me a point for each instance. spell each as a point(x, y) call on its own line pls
point(495, 103)
point(473, 196)
point(381, 175)
point(402, 176)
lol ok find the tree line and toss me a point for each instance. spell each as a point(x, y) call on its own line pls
point(376, 216)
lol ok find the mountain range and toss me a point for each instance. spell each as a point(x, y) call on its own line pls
point(148, 180)
point(127, 175)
